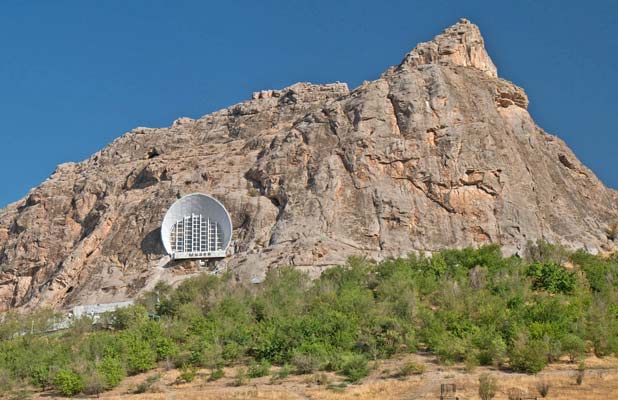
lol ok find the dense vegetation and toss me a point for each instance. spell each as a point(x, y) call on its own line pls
point(471, 305)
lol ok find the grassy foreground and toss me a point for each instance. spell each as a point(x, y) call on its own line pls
point(471, 307)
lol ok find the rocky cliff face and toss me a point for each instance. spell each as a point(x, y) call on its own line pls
point(439, 152)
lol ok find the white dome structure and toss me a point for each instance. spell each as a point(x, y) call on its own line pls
point(196, 226)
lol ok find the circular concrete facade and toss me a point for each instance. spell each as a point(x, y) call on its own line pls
point(196, 226)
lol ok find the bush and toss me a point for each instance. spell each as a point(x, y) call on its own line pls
point(601, 273)
point(305, 363)
point(516, 394)
point(129, 317)
point(551, 277)
point(258, 370)
point(282, 373)
point(411, 368)
point(543, 388)
point(468, 305)
point(232, 351)
point(581, 372)
point(188, 373)
point(487, 387)
point(147, 385)
point(94, 384)
point(68, 382)
point(471, 362)
point(139, 355)
point(355, 367)
point(165, 348)
point(212, 357)
point(573, 345)
point(491, 348)
point(112, 371)
point(544, 252)
point(321, 378)
point(40, 375)
point(216, 374)
point(450, 348)
point(528, 356)
point(6, 382)
point(241, 377)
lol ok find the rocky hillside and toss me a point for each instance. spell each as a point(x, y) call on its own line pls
point(438, 152)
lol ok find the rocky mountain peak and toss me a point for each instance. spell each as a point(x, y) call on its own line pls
point(437, 153)
point(461, 44)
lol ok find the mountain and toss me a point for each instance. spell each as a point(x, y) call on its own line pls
point(438, 152)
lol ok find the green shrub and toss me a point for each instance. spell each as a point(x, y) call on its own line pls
point(471, 362)
point(232, 352)
point(212, 356)
point(601, 273)
point(551, 277)
point(241, 378)
point(188, 373)
point(258, 370)
point(528, 355)
point(450, 348)
point(112, 371)
point(487, 387)
point(411, 368)
point(129, 317)
point(544, 252)
point(6, 382)
point(140, 356)
point(573, 345)
point(468, 305)
point(68, 383)
point(305, 363)
point(282, 373)
point(355, 367)
point(94, 383)
point(40, 375)
point(491, 347)
point(147, 384)
point(165, 348)
point(321, 378)
point(216, 374)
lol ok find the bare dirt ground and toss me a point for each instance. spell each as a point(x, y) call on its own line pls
point(600, 382)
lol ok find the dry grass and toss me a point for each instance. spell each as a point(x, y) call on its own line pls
point(600, 382)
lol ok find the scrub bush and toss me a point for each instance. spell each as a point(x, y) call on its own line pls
point(68, 383)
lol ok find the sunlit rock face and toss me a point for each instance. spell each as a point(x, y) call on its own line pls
point(437, 153)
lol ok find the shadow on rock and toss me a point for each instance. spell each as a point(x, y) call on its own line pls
point(151, 244)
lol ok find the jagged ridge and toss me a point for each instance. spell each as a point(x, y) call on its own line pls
point(439, 152)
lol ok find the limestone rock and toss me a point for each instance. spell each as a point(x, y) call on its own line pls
point(438, 152)
point(461, 44)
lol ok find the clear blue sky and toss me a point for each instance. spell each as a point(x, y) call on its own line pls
point(75, 75)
